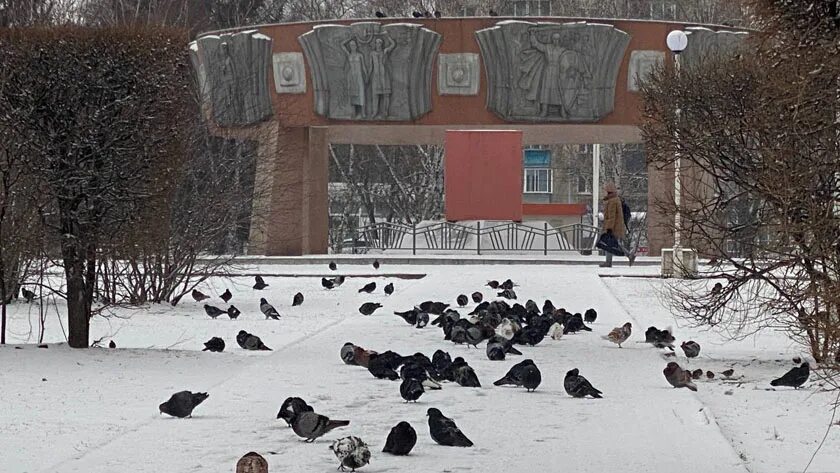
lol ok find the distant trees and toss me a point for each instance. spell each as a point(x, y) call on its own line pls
point(760, 150)
point(95, 115)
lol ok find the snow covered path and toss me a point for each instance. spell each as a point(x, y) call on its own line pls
point(642, 424)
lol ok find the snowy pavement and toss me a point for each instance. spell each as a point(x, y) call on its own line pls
point(97, 409)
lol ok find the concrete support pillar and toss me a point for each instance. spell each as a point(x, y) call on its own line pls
point(660, 225)
point(291, 215)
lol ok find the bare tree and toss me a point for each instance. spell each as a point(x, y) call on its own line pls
point(759, 144)
point(101, 109)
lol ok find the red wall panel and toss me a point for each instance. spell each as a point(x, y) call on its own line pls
point(483, 175)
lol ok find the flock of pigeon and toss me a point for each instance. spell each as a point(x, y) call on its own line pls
point(502, 324)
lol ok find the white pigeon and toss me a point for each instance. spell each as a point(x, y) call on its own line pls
point(507, 329)
point(351, 452)
point(556, 331)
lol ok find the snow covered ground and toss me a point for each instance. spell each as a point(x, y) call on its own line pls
point(92, 411)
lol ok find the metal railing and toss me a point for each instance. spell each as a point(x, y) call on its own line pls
point(488, 238)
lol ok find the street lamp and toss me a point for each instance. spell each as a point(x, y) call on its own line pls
point(677, 41)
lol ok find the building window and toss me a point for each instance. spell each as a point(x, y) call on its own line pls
point(538, 181)
point(584, 185)
point(531, 8)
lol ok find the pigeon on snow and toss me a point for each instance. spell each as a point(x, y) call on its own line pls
point(215, 344)
point(199, 296)
point(268, 310)
point(351, 452)
point(619, 335)
point(401, 439)
point(444, 431)
point(297, 299)
point(250, 342)
point(259, 283)
point(226, 296)
point(369, 308)
point(310, 426)
point(578, 386)
point(181, 404)
point(794, 378)
point(213, 311)
point(291, 408)
point(678, 377)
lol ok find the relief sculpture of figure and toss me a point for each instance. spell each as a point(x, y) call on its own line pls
point(380, 77)
point(228, 74)
point(356, 73)
point(551, 75)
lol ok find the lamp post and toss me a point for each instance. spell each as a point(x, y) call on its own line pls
point(677, 41)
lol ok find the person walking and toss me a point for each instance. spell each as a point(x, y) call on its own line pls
point(614, 226)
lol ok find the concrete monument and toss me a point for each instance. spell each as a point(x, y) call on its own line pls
point(551, 72)
point(289, 76)
point(642, 63)
point(233, 73)
point(369, 71)
point(458, 74)
point(704, 44)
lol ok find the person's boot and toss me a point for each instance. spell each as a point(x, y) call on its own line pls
point(632, 259)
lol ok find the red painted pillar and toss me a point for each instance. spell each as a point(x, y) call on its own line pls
point(483, 175)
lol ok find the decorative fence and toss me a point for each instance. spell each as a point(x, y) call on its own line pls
point(487, 238)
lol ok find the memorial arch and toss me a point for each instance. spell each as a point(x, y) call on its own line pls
point(296, 88)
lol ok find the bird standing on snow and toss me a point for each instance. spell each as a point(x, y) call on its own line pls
point(351, 452)
point(199, 296)
point(728, 373)
point(181, 404)
point(347, 354)
point(477, 297)
point(297, 300)
point(250, 342)
point(369, 308)
point(233, 312)
point(268, 310)
point(215, 344)
point(464, 374)
point(112, 344)
point(590, 315)
point(332, 266)
point(311, 426)
point(401, 439)
point(578, 386)
point(531, 378)
point(327, 283)
point(678, 377)
point(619, 335)
point(259, 284)
point(514, 374)
point(226, 296)
point(794, 378)
point(462, 300)
point(444, 431)
point(411, 389)
point(27, 294)
point(389, 288)
point(690, 348)
point(291, 408)
point(375, 264)
point(213, 311)
point(422, 320)
point(369, 287)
